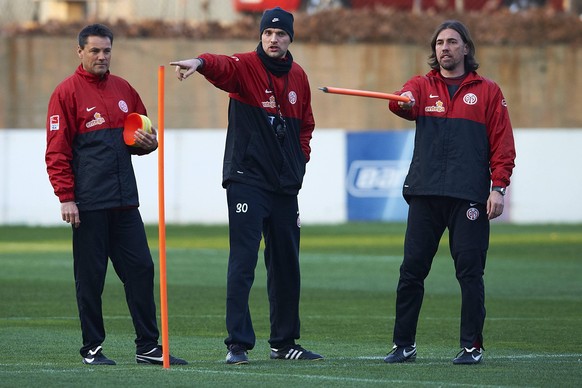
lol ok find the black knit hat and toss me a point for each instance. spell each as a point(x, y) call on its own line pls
point(277, 18)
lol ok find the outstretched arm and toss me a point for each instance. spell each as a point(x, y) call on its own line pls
point(189, 65)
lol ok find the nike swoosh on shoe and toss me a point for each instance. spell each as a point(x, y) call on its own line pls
point(160, 359)
point(408, 354)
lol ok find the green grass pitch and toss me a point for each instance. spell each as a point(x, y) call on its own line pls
point(532, 332)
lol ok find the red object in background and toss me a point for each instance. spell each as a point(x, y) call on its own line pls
point(258, 6)
point(425, 4)
point(261, 5)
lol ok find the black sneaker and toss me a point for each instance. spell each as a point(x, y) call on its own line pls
point(469, 356)
point(294, 352)
point(400, 354)
point(155, 356)
point(95, 356)
point(237, 354)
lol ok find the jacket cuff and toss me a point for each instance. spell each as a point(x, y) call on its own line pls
point(66, 198)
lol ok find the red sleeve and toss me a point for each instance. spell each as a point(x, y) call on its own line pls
point(221, 71)
point(501, 143)
point(59, 153)
point(408, 114)
point(307, 124)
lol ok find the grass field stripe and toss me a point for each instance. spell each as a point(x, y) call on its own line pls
point(279, 375)
point(489, 357)
point(310, 316)
point(338, 378)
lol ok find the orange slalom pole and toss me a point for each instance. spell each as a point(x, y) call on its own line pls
point(365, 93)
point(162, 221)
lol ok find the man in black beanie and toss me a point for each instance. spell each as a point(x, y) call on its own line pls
point(278, 18)
point(270, 123)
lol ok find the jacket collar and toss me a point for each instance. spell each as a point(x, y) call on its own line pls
point(91, 77)
point(472, 76)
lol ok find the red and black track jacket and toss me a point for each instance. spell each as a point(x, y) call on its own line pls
point(253, 153)
point(462, 144)
point(86, 157)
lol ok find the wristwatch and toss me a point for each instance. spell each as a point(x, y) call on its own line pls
point(499, 189)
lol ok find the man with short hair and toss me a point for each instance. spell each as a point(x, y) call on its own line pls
point(90, 169)
point(267, 148)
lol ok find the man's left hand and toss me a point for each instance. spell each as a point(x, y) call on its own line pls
point(147, 141)
point(495, 204)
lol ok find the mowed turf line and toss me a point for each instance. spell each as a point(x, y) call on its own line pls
point(532, 332)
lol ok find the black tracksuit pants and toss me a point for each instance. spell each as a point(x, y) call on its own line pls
point(253, 211)
point(119, 235)
point(428, 216)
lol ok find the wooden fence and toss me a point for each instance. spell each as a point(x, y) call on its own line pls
point(542, 85)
